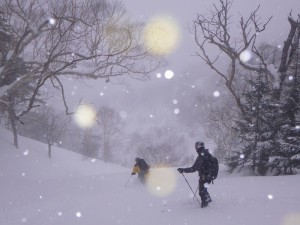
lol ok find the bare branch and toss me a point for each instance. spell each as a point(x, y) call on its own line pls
point(213, 32)
point(89, 39)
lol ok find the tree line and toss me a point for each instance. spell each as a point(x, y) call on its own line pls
point(254, 124)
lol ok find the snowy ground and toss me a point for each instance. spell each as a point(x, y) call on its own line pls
point(67, 191)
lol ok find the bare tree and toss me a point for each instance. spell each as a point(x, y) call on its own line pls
point(45, 125)
point(110, 127)
point(213, 32)
point(90, 144)
point(92, 39)
point(72, 140)
point(53, 125)
point(219, 127)
point(163, 146)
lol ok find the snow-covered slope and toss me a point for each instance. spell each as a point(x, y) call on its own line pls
point(66, 191)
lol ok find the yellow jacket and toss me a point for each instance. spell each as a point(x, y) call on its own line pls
point(136, 169)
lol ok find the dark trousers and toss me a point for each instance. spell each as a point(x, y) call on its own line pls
point(142, 176)
point(204, 195)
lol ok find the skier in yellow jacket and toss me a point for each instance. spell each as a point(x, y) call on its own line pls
point(141, 168)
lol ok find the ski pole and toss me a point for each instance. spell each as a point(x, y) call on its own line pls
point(196, 192)
point(128, 181)
point(191, 189)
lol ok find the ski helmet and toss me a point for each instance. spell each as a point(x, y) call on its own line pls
point(199, 144)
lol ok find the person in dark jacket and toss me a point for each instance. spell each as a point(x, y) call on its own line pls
point(201, 167)
point(141, 168)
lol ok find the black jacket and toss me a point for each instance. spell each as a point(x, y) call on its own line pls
point(200, 164)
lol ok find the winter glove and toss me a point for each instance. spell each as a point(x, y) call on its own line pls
point(180, 170)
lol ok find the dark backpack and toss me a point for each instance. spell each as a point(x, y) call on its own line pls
point(143, 165)
point(212, 167)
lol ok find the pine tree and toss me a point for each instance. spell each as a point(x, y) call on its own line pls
point(288, 155)
point(270, 128)
point(256, 128)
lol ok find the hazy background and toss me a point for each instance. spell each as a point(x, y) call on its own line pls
point(151, 102)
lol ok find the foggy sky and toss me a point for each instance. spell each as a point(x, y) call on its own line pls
point(140, 99)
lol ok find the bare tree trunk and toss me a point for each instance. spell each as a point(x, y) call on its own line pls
point(49, 151)
point(12, 118)
point(287, 54)
point(287, 44)
point(13, 127)
point(106, 151)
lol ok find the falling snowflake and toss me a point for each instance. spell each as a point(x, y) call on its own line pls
point(26, 152)
point(169, 74)
point(78, 214)
point(161, 35)
point(52, 21)
point(175, 101)
point(216, 94)
point(151, 116)
point(101, 94)
point(59, 213)
point(270, 197)
point(291, 77)
point(176, 111)
point(242, 156)
point(158, 75)
point(85, 116)
point(245, 56)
